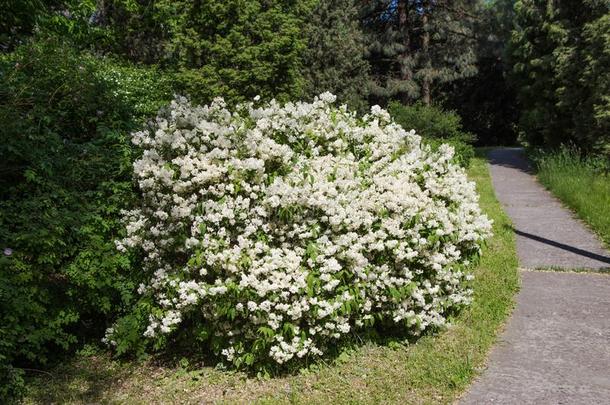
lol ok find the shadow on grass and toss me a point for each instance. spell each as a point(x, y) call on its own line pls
point(94, 378)
point(84, 380)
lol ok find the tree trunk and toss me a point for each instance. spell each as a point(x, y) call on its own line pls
point(403, 25)
point(425, 87)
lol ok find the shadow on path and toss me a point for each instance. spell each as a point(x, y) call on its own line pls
point(581, 252)
point(513, 158)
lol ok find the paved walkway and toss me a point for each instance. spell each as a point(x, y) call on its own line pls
point(548, 235)
point(556, 346)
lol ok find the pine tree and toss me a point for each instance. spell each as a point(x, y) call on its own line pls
point(416, 46)
point(487, 101)
point(334, 59)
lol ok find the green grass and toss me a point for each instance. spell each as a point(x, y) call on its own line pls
point(435, 369)
point(583, 184)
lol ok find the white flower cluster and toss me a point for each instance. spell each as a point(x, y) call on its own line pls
point(275, 230)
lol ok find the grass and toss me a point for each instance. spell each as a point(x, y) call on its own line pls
point(435, 369)
point(583, 184)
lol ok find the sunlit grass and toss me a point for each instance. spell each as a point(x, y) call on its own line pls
point(583, 184)
point(435, 369)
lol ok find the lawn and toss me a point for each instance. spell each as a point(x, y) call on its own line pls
point(435, 369)
point(583, 184)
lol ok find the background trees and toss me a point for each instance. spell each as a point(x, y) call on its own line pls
point(334, 55)
point(236, 49)
point(415, 46)
point(487, 101)
point(558, 49)
point(456, 54)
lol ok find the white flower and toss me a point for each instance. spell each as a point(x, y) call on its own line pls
point(297, 222)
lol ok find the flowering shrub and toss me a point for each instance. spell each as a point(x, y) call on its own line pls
point(272, 232)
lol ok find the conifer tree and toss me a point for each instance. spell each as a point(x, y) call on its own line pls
point(232, 48)
point(418, 45)
point(533, 44)
point(487, 101)
point(334, 59)
point(594, 80)
point(561, 51)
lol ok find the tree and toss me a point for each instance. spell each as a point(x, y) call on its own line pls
point(19, 19)
point(487, 101)
point(232, 48)
point(533, 43)
point(560, 52)
point(334, 59)
point(418, 45)
point(594, 80)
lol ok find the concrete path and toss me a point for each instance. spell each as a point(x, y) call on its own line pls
point(548, 235)
point(556, 346)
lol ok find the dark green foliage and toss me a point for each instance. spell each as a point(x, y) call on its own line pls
point(66, 174)
point(418, 45)
point(429, 121)
point(334, 57)
point(436, 126)
point(487, 104)
point(561, 52)
point(592, 105)
point(236, 49)
point(18, 19)
point(533, 44)
point(12, 385)
point(487, 101)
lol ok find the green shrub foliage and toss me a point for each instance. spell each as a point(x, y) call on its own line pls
point(65, 176)
point(436, 126)
point(237, 49)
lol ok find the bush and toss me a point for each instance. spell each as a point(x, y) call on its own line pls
point(66, 174)
point(230, 47)
point(272, 233)
point(436, 126)
point(463, 152)
point(12, 385)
